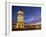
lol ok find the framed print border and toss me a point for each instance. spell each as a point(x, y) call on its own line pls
point(8, 14)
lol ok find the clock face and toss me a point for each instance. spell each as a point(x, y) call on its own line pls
point(29, 18)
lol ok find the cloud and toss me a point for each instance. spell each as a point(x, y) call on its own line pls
point(33, 19)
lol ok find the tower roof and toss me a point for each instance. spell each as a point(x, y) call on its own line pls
point(20, 11)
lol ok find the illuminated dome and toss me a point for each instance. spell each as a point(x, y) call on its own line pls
point(20, 12)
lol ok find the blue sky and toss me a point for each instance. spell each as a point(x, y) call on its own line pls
point(31, 14)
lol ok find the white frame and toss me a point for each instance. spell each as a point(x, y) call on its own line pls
point(9, 18)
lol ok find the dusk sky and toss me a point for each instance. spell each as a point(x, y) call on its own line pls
point(31, 14)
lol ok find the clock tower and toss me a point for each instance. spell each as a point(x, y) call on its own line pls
point(20, 20)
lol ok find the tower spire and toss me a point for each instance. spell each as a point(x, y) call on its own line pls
point(21, 9)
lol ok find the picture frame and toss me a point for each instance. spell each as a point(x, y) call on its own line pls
point(8, 13)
